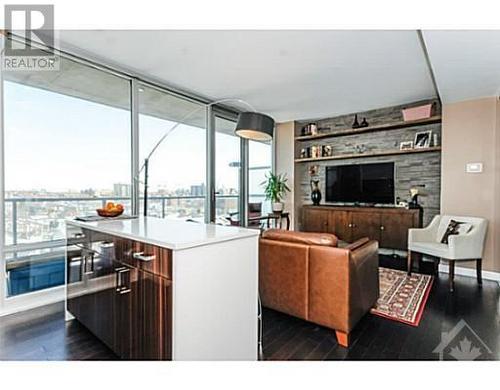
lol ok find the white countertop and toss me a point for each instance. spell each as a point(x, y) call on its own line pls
point(175, 235)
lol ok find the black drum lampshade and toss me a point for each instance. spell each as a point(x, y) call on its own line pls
point(255, 126)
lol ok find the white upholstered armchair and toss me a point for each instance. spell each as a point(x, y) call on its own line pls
point(466, 246)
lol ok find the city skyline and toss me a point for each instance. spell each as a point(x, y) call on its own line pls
point(69, 147)
point(192, 189)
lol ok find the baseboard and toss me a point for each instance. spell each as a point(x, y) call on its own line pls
point(471, 272)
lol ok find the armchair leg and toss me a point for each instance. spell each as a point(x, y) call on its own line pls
point(478, 271)
point(342, 338)
point(451, 265)
point(436, 265)
point(410, 262)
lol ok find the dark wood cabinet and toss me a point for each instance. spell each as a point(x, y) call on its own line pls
point(154, 296)
point(389, 226)
point(340, 224)
point(122, 292)
point(315, 220)
point(365, 224)
point(395, 227)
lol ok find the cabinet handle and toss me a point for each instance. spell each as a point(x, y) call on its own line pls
point(85, 266)
point(382, 227)
point(106, 245)
point(141, 256)
point(78, 235)
point(119, 271)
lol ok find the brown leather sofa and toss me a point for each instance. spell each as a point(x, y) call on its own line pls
point(309, 276)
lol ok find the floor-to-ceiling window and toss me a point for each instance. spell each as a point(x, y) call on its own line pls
point(259, 164)
point(177, 168)
point(71, 143)
point(66, 152)
point(227, 172)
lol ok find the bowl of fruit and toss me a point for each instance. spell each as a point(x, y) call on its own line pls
point(111, 210)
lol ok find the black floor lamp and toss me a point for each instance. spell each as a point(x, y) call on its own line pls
point(251, 125)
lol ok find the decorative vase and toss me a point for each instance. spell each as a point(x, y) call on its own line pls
point(277, 207)
point(315, 192)
point(355, 124)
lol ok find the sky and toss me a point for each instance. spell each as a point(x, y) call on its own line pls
point(60, 143)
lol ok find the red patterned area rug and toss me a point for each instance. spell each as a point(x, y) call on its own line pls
point(402, 297)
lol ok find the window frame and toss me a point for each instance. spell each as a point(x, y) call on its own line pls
point(26, 301)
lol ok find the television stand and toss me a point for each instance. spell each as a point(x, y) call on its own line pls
point(388, 225)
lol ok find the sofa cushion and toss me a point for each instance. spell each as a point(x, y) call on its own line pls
point(323, 239)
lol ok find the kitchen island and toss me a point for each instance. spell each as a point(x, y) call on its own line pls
point(158, 289)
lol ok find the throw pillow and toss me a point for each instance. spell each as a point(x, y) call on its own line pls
point(455, 228)
point(464, 228)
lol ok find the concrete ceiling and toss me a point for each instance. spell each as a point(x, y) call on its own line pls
point(84, 82)
point(466, 63)
point(287, 74)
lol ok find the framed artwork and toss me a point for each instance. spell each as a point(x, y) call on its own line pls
point(423, 139)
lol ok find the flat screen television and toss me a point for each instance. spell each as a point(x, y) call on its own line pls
point(361, 183)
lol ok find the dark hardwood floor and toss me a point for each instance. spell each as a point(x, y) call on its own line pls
point(43, 334)
point(377, 338)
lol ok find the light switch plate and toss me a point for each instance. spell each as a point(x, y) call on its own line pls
point(474, 168)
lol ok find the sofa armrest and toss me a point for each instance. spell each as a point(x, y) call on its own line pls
point(364, 287)
point(343, 284)
point(427, 234)
point(357, 244)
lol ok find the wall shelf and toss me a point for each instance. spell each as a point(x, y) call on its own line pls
point(374, 154)
point(390, 126)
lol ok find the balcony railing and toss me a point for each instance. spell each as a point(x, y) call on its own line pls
point(35, 231)
point(37, 223)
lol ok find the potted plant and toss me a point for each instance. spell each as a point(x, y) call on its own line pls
point(275, 188)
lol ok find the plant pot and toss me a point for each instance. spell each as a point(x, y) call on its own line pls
point(277, 207)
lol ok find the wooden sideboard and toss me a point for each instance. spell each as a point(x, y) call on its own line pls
point(389, 226)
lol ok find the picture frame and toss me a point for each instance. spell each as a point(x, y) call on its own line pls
point(313, 170)
point(422, 139)
point(406, 145)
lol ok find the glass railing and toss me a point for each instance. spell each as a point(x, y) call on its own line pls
point(41, 220)
point(35, 231)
